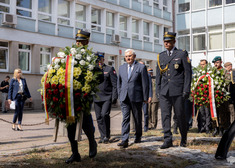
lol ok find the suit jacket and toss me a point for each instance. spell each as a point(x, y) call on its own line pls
point(108, 88)
point(137, 86)
point(14, 87)
point(177, 78)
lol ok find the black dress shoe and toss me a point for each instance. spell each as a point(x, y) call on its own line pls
point(101, 141)
point(73, 158)
point(105, 140)
point(93, 149)
point(166, 145)
point(123, 144)
point(137, 140)
point(183, 144)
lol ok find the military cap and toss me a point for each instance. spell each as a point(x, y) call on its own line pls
point(217, 58)
point(100, 54)
point(168, 36)
point(82, 35)
point(150, 70)
point(227, 64)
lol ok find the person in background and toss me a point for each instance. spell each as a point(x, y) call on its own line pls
point(146, 105)
point(133, 89)
point(4, 89)
point(18, 92)
point(153, 104)
point(104, 98)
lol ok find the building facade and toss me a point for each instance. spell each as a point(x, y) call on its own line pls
point(33, 31)
point(206, 28)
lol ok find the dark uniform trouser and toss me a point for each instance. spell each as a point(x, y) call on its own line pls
point(153, 114)
point(205, 118)
point(232, 112)
point(166, 103)
point(102, 111)
point(223, 115)
point(88, 128)
point(136, 107)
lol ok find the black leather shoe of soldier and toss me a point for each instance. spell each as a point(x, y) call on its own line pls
point(137, 140)
point(73, 158)
point(101, 140)
point(166, 145)
point(93, 149)
point(105, 140)
point(123, 144)
point(183, 144)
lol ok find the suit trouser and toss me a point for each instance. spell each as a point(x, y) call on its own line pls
point(146, 117)
point(153, 114)
point(205, 118)
point(232, 112)
point(136, 108)
point(19, 106)
point(166, 103)
point(4, 96)
point(88, 128)
point(102, 111)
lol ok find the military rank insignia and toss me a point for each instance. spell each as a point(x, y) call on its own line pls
point(176, 66)
point(188, 60)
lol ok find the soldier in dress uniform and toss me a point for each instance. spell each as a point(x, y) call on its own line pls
point(223, 114)
point(154, 103)
point(104, 98)
point(173, 80)
point(82, 38)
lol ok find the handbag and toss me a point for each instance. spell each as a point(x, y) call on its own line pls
point(12, 105)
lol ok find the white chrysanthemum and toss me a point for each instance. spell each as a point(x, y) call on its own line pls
point(92, 55)
point(56, 66)
point(218, 72)
point(218, 86)
point(61, 54)
point(88, 58)
point(216, 83)
point(203, 79)
point(200, 70)
point(49, 66)
point(57, 61)
point(227, 93)
point(82, 62)
point(212, 75)
point(223, 90)
point(217, 77)
point(224, 84)
point(209, 72)
point(90, 67)
point(75, 62)
point(83, 51)
point(78, 56)
point(63, 60)
point(203, 72)
point(73, 51)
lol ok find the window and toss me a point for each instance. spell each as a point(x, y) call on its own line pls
point(95, 19)
point(110, 23)
point(146, 31)
point(198, 4)
point(156, 34)
point(156, 3)
point(165, 5)
point(230, 35)
point(24, 57)
point(80, 11)
point(45, 57)
point(123, 26)
point(230, 1)
point(165, 29)
point(146, 2)
point(135, 29)
point(24, 8)
point(63, 12)
point(199, 39)
point(5, 6)
point(44, 10)
point(215, 37)
point(3, 55)
point(184, 40)
point(184, 5)
point(213, 3)
point(111, 61)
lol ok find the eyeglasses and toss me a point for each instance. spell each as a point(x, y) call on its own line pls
point(129, 55)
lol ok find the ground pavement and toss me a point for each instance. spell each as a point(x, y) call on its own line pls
point(41, 136)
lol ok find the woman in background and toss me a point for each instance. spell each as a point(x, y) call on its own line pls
point(18, 92)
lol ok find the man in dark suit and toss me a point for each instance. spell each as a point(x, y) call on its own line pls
point(104, 98)
point(133, 89)
point(82, 38)
point(173, 80)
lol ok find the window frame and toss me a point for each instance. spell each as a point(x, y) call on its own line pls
point(46, 53)
point(5, 5)
point(156, 38)
point(197, 34)
point(44, 13)
point(134, 33)
point(94, 24)
point(108, 27)
point(80, 21)
point(156, 4)
point(123, 31)
point(63, 17)
point(27, 51)
point(7, 55)
point(146, 36)
point(214, 32)
point(226, 31)
point(216, 6)
point(25, 9)
point(165, 7)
